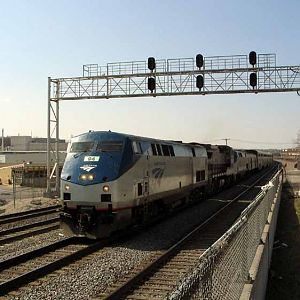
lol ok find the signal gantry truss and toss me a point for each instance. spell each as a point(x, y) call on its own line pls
point(166, 77)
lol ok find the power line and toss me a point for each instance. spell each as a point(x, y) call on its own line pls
point(259, 142)
point(226, 140)
point(252, 142)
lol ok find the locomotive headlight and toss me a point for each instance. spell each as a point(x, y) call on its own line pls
point(83, 177)
point(90, 177)
point(67, 187)
point(106, 188)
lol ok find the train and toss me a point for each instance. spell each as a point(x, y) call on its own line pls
point(111, 180)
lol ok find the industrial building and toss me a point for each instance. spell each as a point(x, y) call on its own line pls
point(27, 157)
point(28, 143)
point(290, 153)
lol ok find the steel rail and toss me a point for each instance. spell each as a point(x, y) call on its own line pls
point(134, 282)
point(30, 230)
point(9, 218)
point(28, 226)
point(34, 253)
point(16, 282)
point(14, 238)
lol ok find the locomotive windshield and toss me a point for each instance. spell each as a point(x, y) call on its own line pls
point(110, 146)
point(82, 146)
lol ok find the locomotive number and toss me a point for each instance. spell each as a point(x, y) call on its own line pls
point(91, 158)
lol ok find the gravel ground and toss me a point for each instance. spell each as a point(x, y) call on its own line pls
point(29, 244)
point(27, 221)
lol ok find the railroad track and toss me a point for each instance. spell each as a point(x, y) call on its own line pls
point(23, 231)
point(10, 218)
point(28, 223)
point(25, 268)
point(160, 277)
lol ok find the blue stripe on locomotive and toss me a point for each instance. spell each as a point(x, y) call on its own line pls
point(110, 166)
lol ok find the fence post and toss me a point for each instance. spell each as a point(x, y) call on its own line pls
point(14, 187)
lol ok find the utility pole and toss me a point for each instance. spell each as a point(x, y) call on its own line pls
point(226, 140)
point(2, 148)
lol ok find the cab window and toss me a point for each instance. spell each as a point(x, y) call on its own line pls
point(82, 147)
point(109, 146)
point(137, 149)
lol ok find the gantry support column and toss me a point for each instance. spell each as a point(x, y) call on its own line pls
point(48, 190)
point(53, 128)
point(57, 178)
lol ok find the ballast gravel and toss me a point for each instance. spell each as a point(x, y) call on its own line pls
point(27, 221)
point(94, 273)
point(30, 243)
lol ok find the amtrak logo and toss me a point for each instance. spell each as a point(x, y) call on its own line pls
point(88, 168)
point(158, 172)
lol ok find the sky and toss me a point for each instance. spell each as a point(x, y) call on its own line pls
point(41, 39)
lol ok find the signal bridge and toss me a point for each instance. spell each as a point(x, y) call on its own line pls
point(253, 73)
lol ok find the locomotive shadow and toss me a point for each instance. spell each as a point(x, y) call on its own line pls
point(169, 231)
point(165, 233)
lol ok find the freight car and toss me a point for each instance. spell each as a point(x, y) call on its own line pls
point(111, 180)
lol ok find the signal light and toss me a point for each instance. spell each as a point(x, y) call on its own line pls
point(151, 84)
point(151, 63)
point(252, 58)
point(199, 82)
point(253, 80)
point(199, 61)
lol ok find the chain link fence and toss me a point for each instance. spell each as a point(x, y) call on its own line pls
point(15, 196)
point(24, 187)
point(223, 270)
